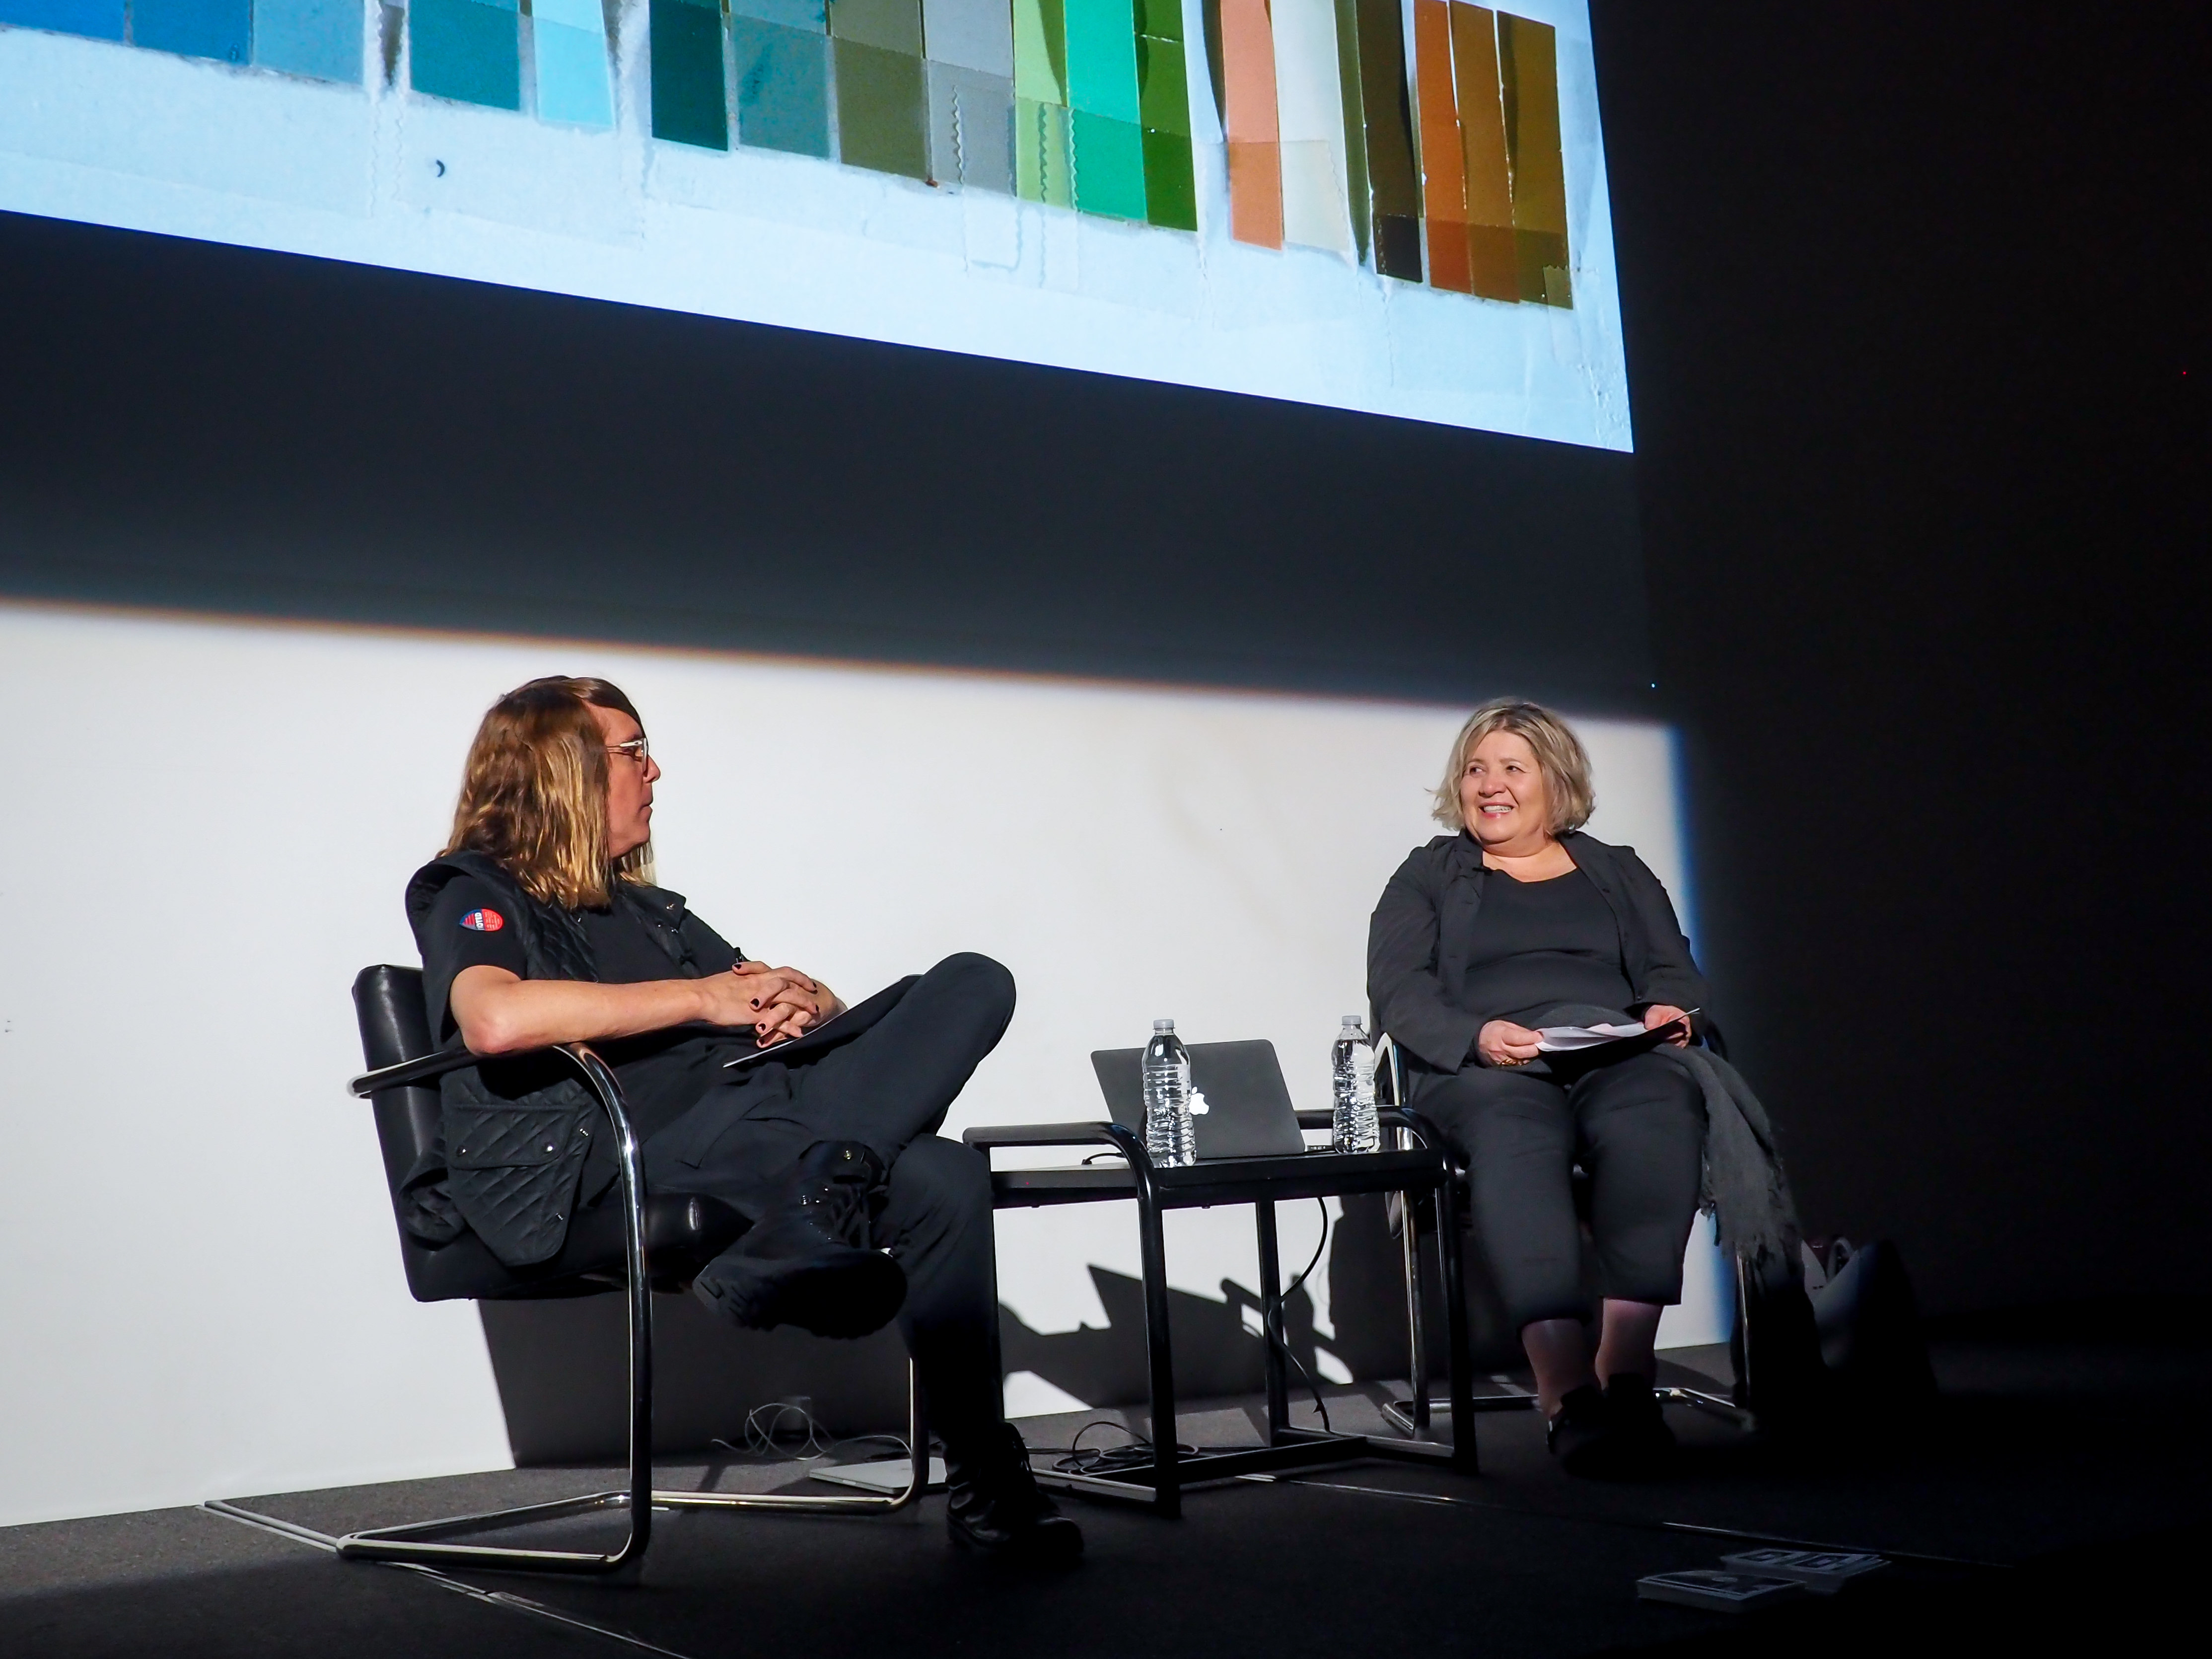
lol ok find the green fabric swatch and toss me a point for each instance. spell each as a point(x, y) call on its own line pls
point(893, 25)
point(1040, 51)
point(1170, 194)
point(1041, 157)
point(882, 110)
point(1109, 166)
point(1161, 19)
point(1163, 93)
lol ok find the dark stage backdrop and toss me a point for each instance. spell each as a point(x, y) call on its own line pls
point(1914, 304)
point(206, 426)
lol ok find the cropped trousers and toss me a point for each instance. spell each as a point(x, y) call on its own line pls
point(888, 1088)
point(1636, 1127)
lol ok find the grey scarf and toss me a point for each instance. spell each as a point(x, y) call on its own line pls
point(1745, 1185)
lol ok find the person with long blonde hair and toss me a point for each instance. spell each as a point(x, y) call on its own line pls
point(539, 924)
point(1516, 920)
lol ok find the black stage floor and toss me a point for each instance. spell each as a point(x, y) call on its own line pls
point(2049, 1502)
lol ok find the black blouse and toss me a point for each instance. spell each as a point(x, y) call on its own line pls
point(1541, 946)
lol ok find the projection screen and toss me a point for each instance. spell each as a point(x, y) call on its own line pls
point(1395, 206)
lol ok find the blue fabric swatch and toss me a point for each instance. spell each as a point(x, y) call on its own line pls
point(320, 38)
point(572, 71)
point(102, 20)
point(220, 29)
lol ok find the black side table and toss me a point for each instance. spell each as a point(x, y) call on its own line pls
point(1421, 1171)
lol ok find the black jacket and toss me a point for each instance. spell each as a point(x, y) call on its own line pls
point(521, 1142)
point(1423, 929)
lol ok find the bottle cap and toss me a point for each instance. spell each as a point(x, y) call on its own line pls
point(1352, 1019)
point(1163, 1025)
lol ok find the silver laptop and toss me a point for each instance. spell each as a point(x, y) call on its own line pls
point(1248, 1111)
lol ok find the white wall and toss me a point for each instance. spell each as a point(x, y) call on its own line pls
point(206, 833)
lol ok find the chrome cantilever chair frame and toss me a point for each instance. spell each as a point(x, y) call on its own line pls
point(1412, 1415)
point(419, 1541)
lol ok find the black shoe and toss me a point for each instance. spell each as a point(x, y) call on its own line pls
point(1643, 1444)
point(1576, 1430)
point(807, 1262)
point(1618, 1435)
point(995, 1503)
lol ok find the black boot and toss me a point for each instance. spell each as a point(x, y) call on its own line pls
point(996, 1505)
point(1576, 1432)
point(1641, 1445)
point(807, 1262)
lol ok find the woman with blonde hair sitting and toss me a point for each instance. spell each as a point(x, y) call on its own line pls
point(1517, 921)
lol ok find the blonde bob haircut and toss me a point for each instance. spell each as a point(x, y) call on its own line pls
point(1559, 752)
point(534, 793)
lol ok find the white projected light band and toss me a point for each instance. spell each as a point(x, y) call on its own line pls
point(214, 838)
point(1395, 206)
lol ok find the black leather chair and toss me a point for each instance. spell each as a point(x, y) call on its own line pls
point(634, 1241)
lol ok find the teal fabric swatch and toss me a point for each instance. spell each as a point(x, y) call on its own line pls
point(811, 15)
point(320, 38)
point(783, 87)
point(685, 43)
point(467, 50)
point(219, 29)
point(1102, 58)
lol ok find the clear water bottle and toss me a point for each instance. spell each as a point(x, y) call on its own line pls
point(1168, 1136)
point(1352, 1127)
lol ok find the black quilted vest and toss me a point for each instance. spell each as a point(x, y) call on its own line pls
point(516, 1133)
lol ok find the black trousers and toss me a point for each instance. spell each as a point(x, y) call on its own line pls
point(889, 1088)
point(1636, 1126)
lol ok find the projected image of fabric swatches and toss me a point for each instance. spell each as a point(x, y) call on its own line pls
point(469, 51)
point(569, 52)
point(684, 49)
point(194, 28)
point(99, 19)
point(783, 84)
point(318, 38)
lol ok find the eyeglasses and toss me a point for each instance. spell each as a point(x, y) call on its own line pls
point(637, 749)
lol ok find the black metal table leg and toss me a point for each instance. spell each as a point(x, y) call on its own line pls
point(1167, 1490)
point(1271, 1319)
point(1458, 1358)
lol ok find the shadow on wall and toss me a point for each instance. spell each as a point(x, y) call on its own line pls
point(560, 1364)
